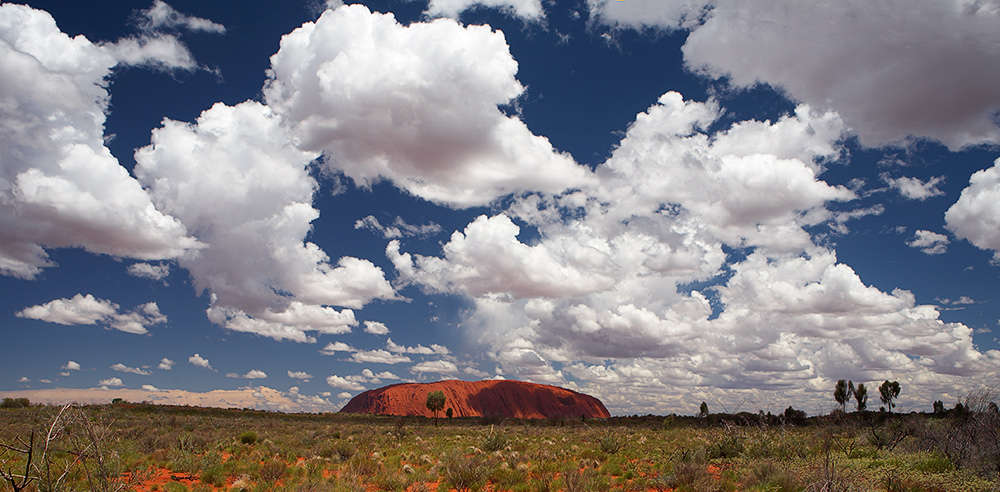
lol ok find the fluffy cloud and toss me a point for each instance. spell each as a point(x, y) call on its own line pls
point(529, 9)
point(252, 374)
point(263, 276)
point(131, 370)
point(975, 215)
point(59, 185)
point(164, 53)
point(378, 356)
point(89, 310)
point(300, 375)
point(201, 362)
point(929, 242)
point(376, 328)
point(334, 347)
point(633, 271)
point(342, 383)
point(71, 366)
point(913, 188)
point(150, 271)
point(419, 349)
point(435, 366)
point(111, 382)
point(894, 71)
point(647, 14)
point(416, 105)
point(166, 364)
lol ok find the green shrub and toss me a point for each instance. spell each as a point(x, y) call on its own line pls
point(248, 437)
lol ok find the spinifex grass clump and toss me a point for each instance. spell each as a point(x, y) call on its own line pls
point(248, 437)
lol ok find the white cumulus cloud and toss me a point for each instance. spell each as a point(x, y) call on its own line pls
point(913, 188)
point(199, 361)
point(165, 364)
point(435, 366)
point(975, 216)
point(264, 277)
point(895, 71)
point(376, 328)
point(929, 242)
point(252, 374)
point(604, 292)
point(147, 270)
point(59, 184)
point(111, 382)
point(342, 383)
point(300, 375)
point(415, 105)
point(89, 310)
point(132, 370)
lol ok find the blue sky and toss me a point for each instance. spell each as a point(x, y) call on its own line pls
point(657, 203)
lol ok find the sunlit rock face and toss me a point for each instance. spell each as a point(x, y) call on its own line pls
point(511, 399)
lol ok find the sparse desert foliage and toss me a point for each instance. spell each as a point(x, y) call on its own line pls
point(194, 449)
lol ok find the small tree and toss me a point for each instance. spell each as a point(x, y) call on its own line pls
point(861, 396)
point(889, 392)
point(938, 407)
point(841, 394)
point(703, 410)
point(449, 413)
point(435, 402)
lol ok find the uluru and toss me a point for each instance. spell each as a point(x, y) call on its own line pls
point(505, 398)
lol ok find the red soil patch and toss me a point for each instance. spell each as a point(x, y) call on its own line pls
point(505, 398)
point(160, 476)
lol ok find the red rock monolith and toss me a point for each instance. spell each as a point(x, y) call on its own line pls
point(504, 398)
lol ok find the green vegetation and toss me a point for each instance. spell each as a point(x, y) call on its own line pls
point(15, 403)
point(889, 392)
point(435, 402)
point(118, 447)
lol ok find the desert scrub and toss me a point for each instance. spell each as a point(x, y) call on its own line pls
point(609, 442)
point(248, 437)
point(465, 472)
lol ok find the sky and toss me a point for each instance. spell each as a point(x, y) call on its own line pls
point(279, 205)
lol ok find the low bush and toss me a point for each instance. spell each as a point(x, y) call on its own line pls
point(248, 437)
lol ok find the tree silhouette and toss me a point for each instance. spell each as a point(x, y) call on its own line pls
point(841, 394)
point(861, 396)
point(703, 410)
point(435, 402)
point(888, 392)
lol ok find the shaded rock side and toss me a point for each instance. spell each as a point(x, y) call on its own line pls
point(511, 399)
